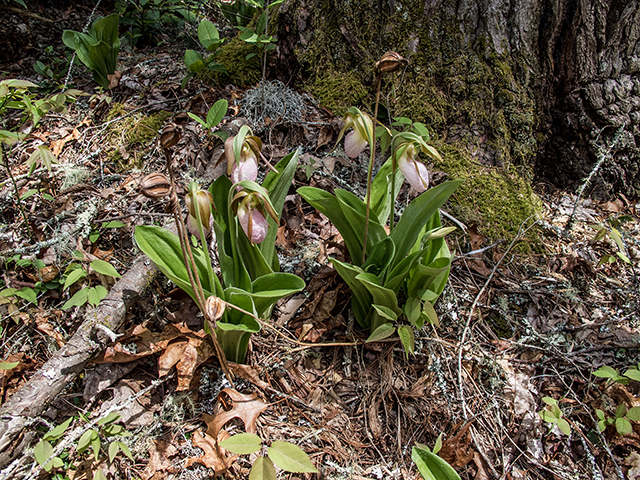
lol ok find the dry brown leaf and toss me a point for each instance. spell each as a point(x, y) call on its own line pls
point(245, 407)
point(213, 457)
point(249, 373)
point(44, 326)
point(455, 450)
point(159, 461)
point(476, 262)
point(170, 356)
point(325, 136)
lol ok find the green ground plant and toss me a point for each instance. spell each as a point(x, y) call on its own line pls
point(147, 20)
point(554, 416)
point(285, 455)
point(244, 216)
point(214, 116)
point(210, 39)
point(87, 294)
point(430, 465)
point(612, 230)
point(98, 48)
point(401, 273)
point(93, 440)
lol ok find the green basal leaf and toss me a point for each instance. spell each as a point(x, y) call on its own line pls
point(547, 416)
point(431, 466)
point(268, 289)
point(242, 444)
point(27, 294)
point(78, 299)
point(416, 215)
point(381, 296)
point(383, 331)
point(633, 414)
point(277, 184)
point(262, 469)
point(194, 61)
point(197, 119)
point(8, 365)
point(606, 372)
point(105, 268)
point(633, 374)
point(328, 204)
point(354, 211)
point(621, 410)
point(109, 419)
point(405, 332)
point(96, 294)
point(438, 444)
point(380, 258)
point(58, 431)
point(602, 425)
point(217, 112)
point(290, 458)
point(386, 312)
point(381, 201)
point(599, 414)
point(412, 309)
point(114, 448)
point(564, 426)
point(85, 440)
point(42, 451)
point(430, 312)
point(361, 299)
point(208, 34)
point(623, 426)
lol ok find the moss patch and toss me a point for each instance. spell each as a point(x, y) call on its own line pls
point(337, 91)
point(130, 135)
point(497, 199)
point(241, 71)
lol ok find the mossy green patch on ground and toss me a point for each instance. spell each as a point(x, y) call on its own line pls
point(499, 201)
point(131, 134)
point(241, 72)
point(337, 91)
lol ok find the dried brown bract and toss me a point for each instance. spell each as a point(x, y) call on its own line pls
point(155, 185)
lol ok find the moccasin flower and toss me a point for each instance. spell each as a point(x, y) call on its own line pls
point(253, 223)
point(201, 200)
point(358, 138)
point(252, 210)
point(414, 170)
point(246, 167)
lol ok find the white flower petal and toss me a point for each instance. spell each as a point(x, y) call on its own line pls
point(354, 144)
point(415, 172)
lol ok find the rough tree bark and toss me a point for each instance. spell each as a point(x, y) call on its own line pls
point(544, 84)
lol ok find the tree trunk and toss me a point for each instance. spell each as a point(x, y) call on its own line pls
point(543, 85)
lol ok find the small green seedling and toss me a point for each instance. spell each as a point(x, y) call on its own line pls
point(430, 465)
point(622, 419)
point(613, 375)
point(214, 117)
point(91, 295)
point(210, 39)
point(286, 455)
point(611, 231)
point(553, 415)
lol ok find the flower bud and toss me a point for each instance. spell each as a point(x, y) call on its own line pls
point(390, 62)
point(214, 309)
point(169, 136)
point(155, 185)
point(202, 200)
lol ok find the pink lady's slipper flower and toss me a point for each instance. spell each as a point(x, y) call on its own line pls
point(358, 138)
point(203, 201)
point(252, 210)
point(246, 167)
point(414, 170)
point(253, 223)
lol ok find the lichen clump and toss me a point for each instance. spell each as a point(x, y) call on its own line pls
point(132, 133)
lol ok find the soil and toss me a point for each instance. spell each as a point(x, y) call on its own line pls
point(514, 328)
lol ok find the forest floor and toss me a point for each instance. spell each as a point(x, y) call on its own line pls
point(515, 326)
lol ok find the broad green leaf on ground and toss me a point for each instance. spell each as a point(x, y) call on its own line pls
point(290, 458)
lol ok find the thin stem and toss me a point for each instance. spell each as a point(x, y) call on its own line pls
point(372, 155)
point(5, 162)
point(192, 271)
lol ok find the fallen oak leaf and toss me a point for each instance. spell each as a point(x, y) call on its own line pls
point(213, 456)
point(245, 407)
point(159, 461)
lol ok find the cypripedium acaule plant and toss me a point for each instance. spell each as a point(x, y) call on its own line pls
point(412, 257)
point(249, 282)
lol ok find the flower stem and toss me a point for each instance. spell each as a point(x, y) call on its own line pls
point(372, 156)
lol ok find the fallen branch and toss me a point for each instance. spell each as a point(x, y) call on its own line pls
point(62, 368)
